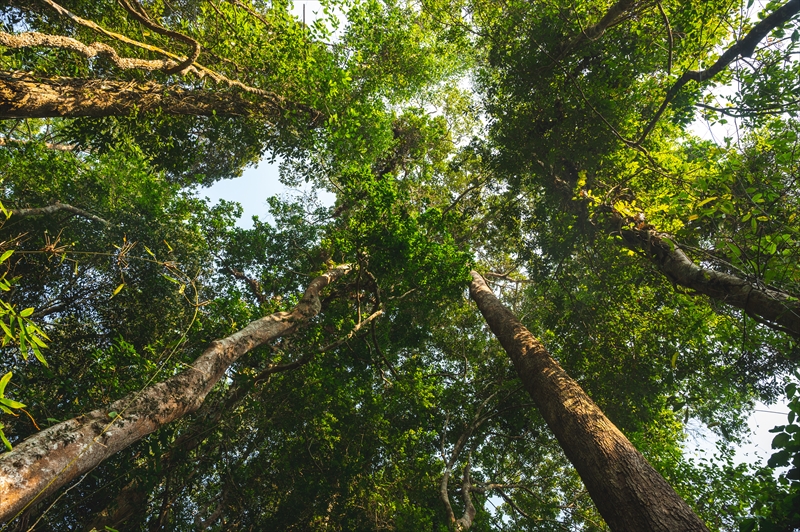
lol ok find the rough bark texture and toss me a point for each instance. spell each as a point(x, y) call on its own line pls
point(24, 96)
point(56, 207)
point(773, 308)
point(630, 495)
point(36, 39)
point(51, 458)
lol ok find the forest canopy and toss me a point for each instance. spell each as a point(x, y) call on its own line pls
point(536, 279)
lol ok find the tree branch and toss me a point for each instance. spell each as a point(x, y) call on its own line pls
point(670, 38)
point(612, 17)
point(135, 8)
point(49, 145)
point(25, 96)
point(56, 207)
point(254, 285)
point(775, 308)
point(51, 458)
point(745, 48)
point(31, 39)
point(195, 68)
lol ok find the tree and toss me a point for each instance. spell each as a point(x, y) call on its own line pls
point(408, 397)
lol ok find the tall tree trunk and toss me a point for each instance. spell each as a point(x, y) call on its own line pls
point(25, 96)
point(630, 495)
point(53, 457)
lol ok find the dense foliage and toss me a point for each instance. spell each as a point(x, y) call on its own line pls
point(550, 147)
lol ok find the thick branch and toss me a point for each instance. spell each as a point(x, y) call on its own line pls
point(53, 457)
point(132, 496)
point(594, 32)
point(25, 96)
point(31, 39)
point(56, 207)
point(777, 309)
point(745, 48)
point(182, 65)
point(630, 495)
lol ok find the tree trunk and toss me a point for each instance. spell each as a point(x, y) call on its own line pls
point(630, 495)
point(773, 308)
point(25, 96)
point(53, 457)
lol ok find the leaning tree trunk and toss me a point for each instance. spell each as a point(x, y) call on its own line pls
point(774, 308)
point(53, 457)
point(23, 95)
point(630, 495)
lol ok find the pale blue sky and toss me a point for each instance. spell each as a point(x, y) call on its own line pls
point(252, 189)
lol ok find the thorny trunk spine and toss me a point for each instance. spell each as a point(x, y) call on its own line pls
point(53, 457)
point(630, 495)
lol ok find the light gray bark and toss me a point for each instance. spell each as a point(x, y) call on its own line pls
point(53, 457)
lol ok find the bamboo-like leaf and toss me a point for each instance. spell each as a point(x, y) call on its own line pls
point(38, 355)
point(3, 382)
point(35, 339)
point(117, 290)
point(27, 312)
point(5, 440)
point(6, 330)
point(10, 403)
point(4, 256)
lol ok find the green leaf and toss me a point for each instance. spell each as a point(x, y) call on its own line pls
point(27, 312)
point(117, 290)
point(6, 330)
point(10, 403)
point(38, 354)
point(5, 255)
point(791, 389)
point(712, 198)
point(781, 441)
point(5, 440)
point(3, 381)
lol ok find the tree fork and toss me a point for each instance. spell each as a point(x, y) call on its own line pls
point(53, 457)
point(630, 495)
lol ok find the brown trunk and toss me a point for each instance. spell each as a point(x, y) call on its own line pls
point(25, 96)
point(630, 495)
point(53, 457)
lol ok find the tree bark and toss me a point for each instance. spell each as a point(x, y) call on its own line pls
point(25, 96)
point(773, 308)
point(630, 495)
point(56, 207)
point(53, 457)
